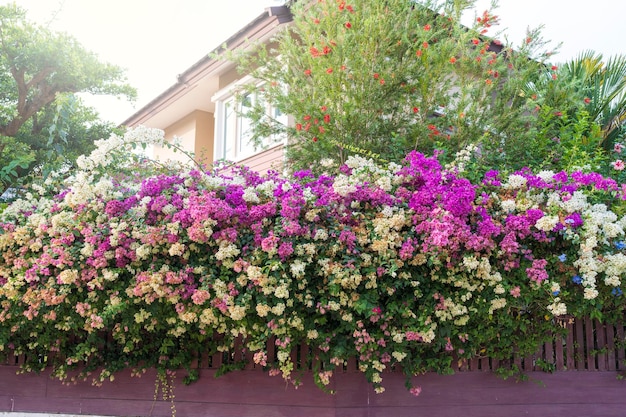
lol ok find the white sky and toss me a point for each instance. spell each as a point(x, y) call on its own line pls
point(155, 40)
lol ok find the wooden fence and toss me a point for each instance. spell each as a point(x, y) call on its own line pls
point(585, 380)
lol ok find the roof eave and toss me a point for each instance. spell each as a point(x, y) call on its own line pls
point(272, 16)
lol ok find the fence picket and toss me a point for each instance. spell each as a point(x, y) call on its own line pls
point(580, 346)
point(589, 345)
point(600, 345)
point(570, 363)
point(559, 360)
point(610, 347)
point(621, 352)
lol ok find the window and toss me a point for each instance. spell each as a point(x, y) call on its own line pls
point(233, 131)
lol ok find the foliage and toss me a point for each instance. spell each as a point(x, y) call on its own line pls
point(381, 78)
point(13, 156)
point(36, 64)
point(40, 71)
point(591, 83)
point(395, 265)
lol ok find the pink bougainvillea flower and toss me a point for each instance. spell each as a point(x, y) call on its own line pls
point(618, 165)
point(515, 292)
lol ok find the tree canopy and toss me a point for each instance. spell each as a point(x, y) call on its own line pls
point(39, 69)
point(381, 78)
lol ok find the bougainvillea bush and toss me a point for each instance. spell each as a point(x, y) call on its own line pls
point(406, 264)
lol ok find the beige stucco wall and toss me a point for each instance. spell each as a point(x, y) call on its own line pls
point(229, 77)
point(205, 131)
point(195, 134)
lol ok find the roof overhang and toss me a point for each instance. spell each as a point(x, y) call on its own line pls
point(195, 86)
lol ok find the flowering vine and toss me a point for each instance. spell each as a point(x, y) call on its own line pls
point(400, 265)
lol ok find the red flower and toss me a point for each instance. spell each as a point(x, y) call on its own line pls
point(321, 129)
point(376, 75)
point(475, 41)
point(342, 5)
point(327, 118)
point(587, 100)
point(316, 21)
point(326, 50)
point(427, 27)
point(425, 45)
point(329, 71)
point(350, 8)
point(382, 81)
point(416, 110)
point(452, 60)
point(419, 52)
point(314, 139)
point(554, 68)
point(432, 127)
point(307, 72)
point(323, 108)
point(307, 126)
point(307, 117)
point(298, 126)
point(348, 25)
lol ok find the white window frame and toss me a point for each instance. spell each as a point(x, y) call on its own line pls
point(232, 148)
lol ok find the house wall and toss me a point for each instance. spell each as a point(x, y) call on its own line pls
point(228, 78)
point(195, 132)
point(205, 130)
point(269, 159)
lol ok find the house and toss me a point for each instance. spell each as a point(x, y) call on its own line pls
point(199, 109)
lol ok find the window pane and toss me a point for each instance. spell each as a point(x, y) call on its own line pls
point(228, 134)
point(245, 128)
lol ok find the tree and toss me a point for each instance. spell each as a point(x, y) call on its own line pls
point(381, 78)
point(599, 86)
point(39, 72)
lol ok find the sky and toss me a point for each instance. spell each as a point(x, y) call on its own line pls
point(155, 40)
